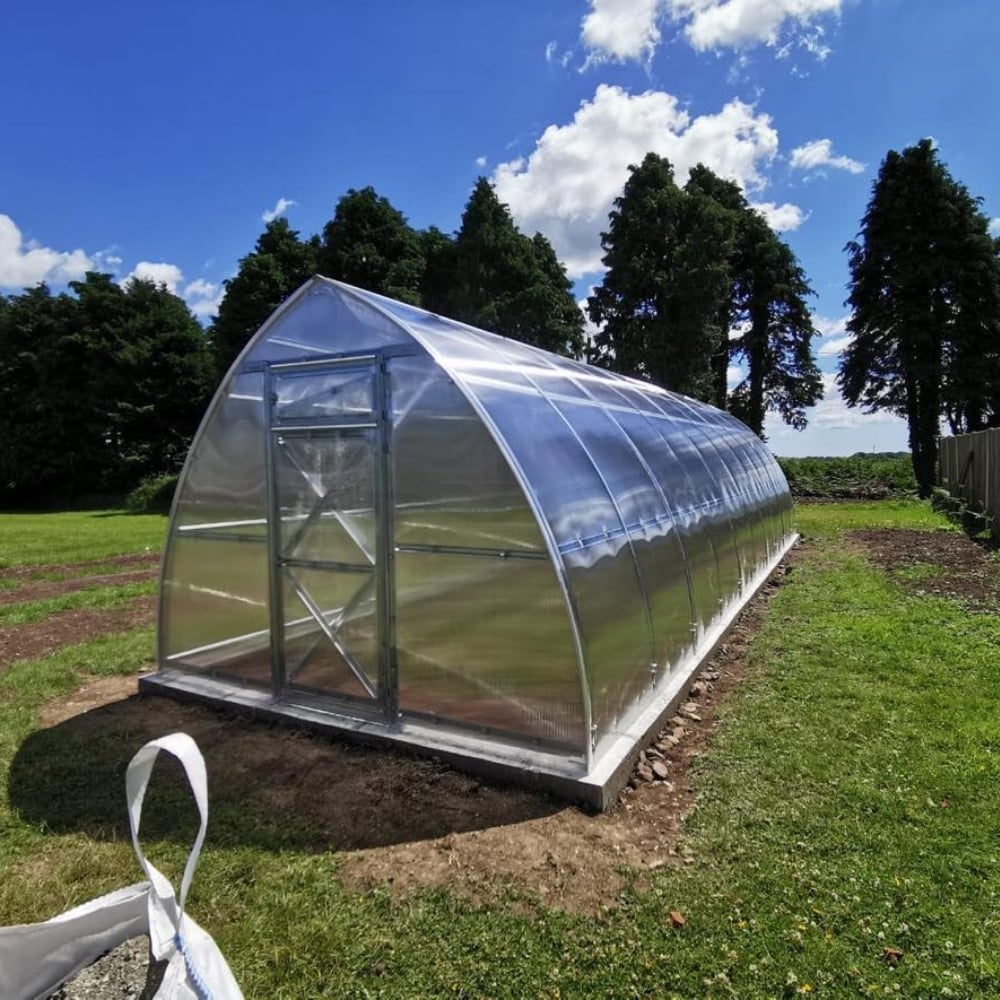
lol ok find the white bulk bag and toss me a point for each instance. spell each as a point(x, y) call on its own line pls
point(35, 959)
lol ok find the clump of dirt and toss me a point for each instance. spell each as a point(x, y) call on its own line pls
point(938, 563)
point(25, 642)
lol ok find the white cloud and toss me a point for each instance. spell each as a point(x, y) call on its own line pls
point(29, 263)
point(734, 375)
point(480, 161)
point(995, 227)
point(831, 348)
point(621, 29)
point(826, 327)
point(781, 218)
point(566, 186)
point(279, 209)
point(837, 429)
point(590, 328)
point(203, 297)
point(741, 24)
point(819, 153)
point(159, 273)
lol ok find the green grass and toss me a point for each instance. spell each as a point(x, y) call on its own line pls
point(26, 612)
point(849, 801)
point(77, 536)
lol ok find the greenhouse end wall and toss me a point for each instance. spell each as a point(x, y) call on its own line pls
point(406, 529)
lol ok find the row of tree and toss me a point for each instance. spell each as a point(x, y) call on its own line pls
point(104, 385)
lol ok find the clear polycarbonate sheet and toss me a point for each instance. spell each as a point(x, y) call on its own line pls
point(485, 642)
point(326, 495)
point(214, 610)
point(323, 320)
point(452, 487)
point(224, 488)
point(333, 392)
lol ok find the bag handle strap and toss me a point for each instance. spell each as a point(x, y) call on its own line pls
point(181, 746)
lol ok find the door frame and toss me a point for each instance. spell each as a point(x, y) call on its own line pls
point(385, 705)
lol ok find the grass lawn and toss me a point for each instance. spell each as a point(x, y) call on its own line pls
point(849, 803)
point(77, 536)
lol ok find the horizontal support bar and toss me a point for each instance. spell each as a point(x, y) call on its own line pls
point(340, 425)
point(215, 525)
point(333, 567)
point(464, 550)
point(363, 360)
point(227, 536)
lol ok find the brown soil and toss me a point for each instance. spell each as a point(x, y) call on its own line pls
point(53, 588)
point(955, 566)
point(24, 642)
point(79, 569)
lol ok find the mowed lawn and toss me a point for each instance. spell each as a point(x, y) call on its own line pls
point(845, 840)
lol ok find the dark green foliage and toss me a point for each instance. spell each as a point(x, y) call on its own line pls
point(438, 279)
point(97, 389)
point(925, 300)
point(279, 263)
point(685, 268)
point(153, 495)
point(369, 243)
point(662, 301)
point(509, 284)
point(858, 477)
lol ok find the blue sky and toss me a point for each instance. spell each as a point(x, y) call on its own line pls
point(152, 139)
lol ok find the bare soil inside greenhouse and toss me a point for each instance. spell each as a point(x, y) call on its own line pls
point(406, 823)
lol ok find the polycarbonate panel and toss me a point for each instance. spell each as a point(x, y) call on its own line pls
point(326, 495)
point(323, 320)
point(485, 641)
point(218, 493)
point(214, 611)
point(343, 657)
point(452, 486)
point(329, 393)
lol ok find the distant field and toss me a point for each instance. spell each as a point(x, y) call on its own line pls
point(858, 477)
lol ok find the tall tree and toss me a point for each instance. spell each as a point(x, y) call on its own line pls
point(369, 243)
point(924, 294)
point(438, 278)
point(279, 263)
point(509, 283)
point(663, 297)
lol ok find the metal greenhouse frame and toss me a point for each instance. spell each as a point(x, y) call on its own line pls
point(400, 527)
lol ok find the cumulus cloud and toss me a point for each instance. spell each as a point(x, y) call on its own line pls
point(621, 29)
point(819, 153)
point(203, 297)
point(29, 263)
point(283, 205)
point(159, 273)
point(741, 24)
point(480, 161)
point(995, 227)
point(827, 327)
point(566, 186)
point(781, 218)
point(831, 348)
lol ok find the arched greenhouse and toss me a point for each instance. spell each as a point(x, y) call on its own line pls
point(401, 527)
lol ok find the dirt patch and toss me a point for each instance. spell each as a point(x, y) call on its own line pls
point(938, 563)
point(96, 693)
point(54, 588)
point(25, 642)
point(114, 564)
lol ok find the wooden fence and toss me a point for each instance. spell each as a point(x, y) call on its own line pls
point(969, 467)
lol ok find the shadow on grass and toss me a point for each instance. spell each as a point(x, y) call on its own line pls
point(269, 786)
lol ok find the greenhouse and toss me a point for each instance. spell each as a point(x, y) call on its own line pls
point(402, 528)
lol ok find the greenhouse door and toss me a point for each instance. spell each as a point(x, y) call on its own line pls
point(327, 483)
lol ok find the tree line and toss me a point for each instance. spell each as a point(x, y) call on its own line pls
point(104, 384)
